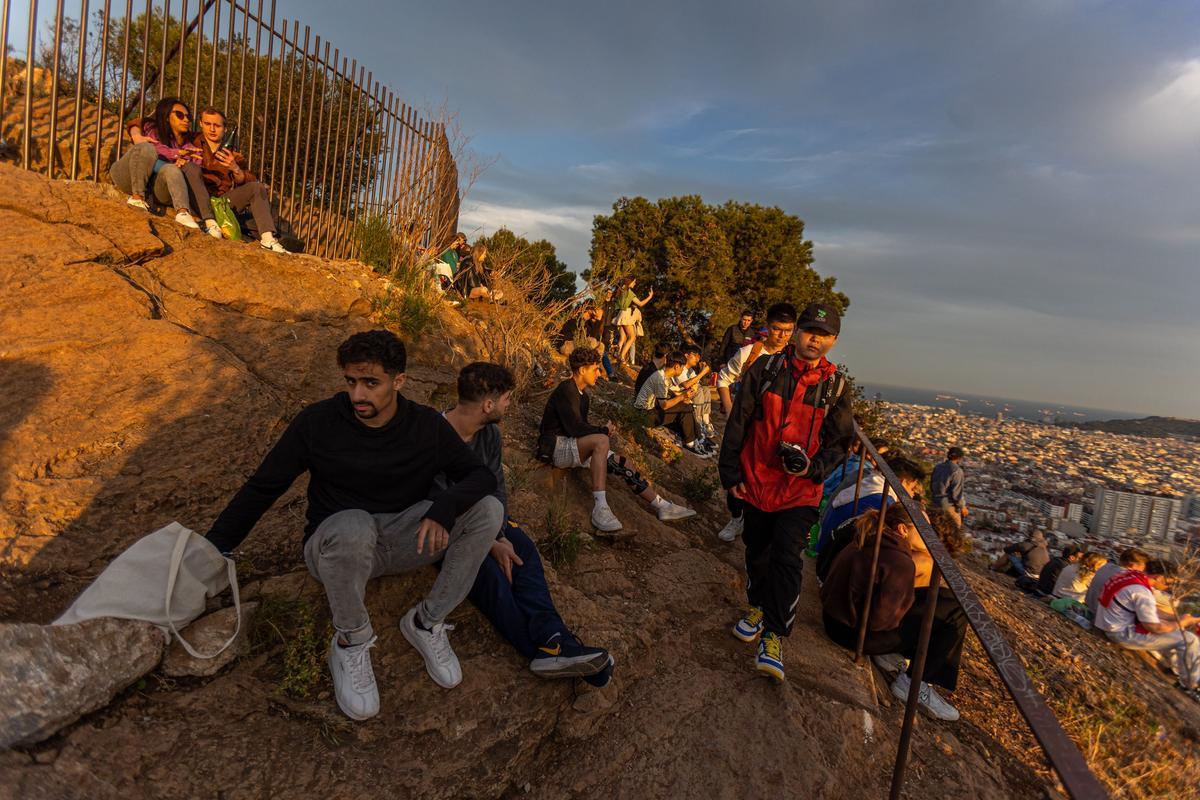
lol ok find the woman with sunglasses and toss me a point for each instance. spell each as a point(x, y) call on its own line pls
point(164, 159)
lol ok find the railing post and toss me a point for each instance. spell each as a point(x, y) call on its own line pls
point(228, 58)
point(203, 4)
point(216, 45)
point(162, 55)
point(242, 68)
point(181, 47)
point(100, 94)
point(914, 689)
point(78, 118)
point(4, 9)
point(145, 60)
point(866, 611)
point(862, 463)
point(52, 144)
point(31, 43)
point(124, 80)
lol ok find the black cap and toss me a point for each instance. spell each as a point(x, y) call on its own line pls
point(822, 317)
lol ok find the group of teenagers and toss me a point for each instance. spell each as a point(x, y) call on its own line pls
point(170, 165)
point(1129, 601)
point(395, 485)
point(463, 270)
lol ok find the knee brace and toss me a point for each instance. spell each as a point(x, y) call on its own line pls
point(618, 465)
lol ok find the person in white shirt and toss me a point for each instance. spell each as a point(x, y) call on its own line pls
point(1075, 579)
point(1128, 615)
point(1131, 558)
point(669, 410)
point(694, 373)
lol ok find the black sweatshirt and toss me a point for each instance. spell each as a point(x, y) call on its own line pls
point(566, 415)
point(353, 466)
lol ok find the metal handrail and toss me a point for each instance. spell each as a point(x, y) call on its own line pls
point(324, 191)
point(1062, 753)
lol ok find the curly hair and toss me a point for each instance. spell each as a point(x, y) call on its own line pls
point(950, 532)
point(582, 357)
point(374, 347)
point(480, 380)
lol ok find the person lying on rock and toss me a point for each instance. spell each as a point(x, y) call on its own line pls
point(789, 428)
point(371, 455)
point(510, 589)
point(225, 175)
point(568, 441)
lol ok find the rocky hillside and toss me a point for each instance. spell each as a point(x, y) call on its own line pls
point(144, 371)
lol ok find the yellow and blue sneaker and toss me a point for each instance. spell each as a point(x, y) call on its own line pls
point(750, 626)
point(770, 656)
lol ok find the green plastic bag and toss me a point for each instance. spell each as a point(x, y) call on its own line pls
point(226, 219)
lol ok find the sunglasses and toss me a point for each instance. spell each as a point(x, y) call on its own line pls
point(180, 115)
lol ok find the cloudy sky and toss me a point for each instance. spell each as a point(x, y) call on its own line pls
point(1005, 190)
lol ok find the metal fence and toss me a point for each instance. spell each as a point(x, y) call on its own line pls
point(1060, 751)
point(334, 145)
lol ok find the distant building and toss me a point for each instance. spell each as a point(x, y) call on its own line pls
point(1141, 517)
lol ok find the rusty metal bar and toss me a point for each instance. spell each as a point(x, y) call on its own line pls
point(379, 138)
point(162, 54)
point(31, 43)
point(228, 58)
point(866, 612)
point(283, 67)
point(1061, 752)
point(52, 143)
point(345, 185)
point(330, 168)
point(330, 87)
point(389, 159)
point(914, 689)
point(100, 94)
point(78, 119)
point(401, 159)
point(124, 77)
point(287, 122)
point(300, 115)
point(302, 215)
point(145, 63)
point(397, 159)
point(242, 69)
point(409, 148)
point(199, 53)
point(179, 47)
point(254, 83)
point(4, 53)
point(216, 46)
point(358, 167)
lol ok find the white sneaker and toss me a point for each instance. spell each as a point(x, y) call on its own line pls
point(269, 242)
point(353, 679)
point(604, 519)
point(732, 529)
point(670, 512)
point(138, 203)
point(929, 700)
point(213, 229)
point(185, 219)
point(434, 646)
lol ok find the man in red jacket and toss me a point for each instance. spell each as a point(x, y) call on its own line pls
point(790, 425)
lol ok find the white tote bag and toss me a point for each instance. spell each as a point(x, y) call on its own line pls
point(163, 578)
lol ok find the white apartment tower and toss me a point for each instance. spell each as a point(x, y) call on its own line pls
point(1128, 515)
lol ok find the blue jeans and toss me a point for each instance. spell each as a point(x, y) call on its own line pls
point(607, 364)
point(521, 611)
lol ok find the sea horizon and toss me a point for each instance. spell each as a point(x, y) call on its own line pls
point(965, 402)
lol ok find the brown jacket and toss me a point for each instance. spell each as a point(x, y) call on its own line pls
point(845, 588)
point(218, 177)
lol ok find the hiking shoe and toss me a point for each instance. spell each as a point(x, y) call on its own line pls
point(213, 229)
point(604, 519)
point(603, 677)
point(353, 679)
point(671, 512)
point(697, 449)
point(770, 656)
point(185, 219)
point(138, 203)
point(750, 626)
point(269, 242)
point(434, 646)
point(929, 700)
point(565, 657)
point(732, 529)
point(891, 663)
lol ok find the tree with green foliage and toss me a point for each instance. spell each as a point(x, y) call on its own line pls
point(706, 263)
point(508, 251)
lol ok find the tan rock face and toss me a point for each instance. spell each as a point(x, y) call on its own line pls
point(50, 676)
point(206, 635)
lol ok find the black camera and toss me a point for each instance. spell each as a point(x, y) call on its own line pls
point(795, 460)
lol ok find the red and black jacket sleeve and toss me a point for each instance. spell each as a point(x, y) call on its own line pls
point(745, 407)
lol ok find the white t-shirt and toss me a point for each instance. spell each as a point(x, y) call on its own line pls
point(732, 370)
point(1131, 605)
point(655, 388)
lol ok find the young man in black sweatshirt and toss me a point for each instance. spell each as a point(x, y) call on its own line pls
point(568, 441)
point(371, 455)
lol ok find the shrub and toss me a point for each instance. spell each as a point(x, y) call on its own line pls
point(698, 487)
point(565, 539)
point(291, 622)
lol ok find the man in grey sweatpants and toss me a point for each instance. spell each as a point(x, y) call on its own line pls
point(372, 455)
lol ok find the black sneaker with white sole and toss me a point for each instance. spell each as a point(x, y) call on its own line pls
point(565, 657)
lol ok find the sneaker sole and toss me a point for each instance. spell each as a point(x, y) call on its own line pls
point(677, 518)
point(411, 636)
point(576, 667)
point(743, 637)
point(772, 672)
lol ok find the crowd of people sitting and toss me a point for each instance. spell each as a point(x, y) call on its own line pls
point(1129, 602)
point(197, 174)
